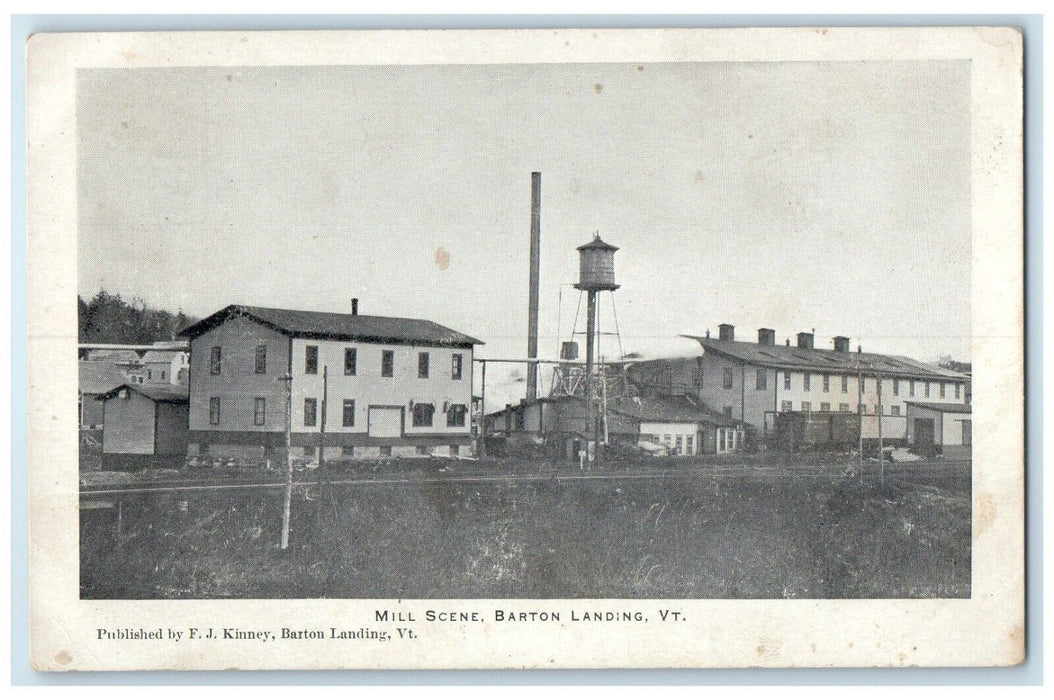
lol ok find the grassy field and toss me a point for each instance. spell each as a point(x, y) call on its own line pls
point(734, 533)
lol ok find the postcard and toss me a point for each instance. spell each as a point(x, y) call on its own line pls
point(526, 349)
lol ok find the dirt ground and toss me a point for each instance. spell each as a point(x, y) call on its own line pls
point(723, 530)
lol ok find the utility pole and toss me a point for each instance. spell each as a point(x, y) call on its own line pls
point(322, 479)
point(483, 412)
point(288, 379)
point(881, 451)
point(860, 416)
point(592, 422)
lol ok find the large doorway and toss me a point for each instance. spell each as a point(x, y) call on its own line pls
point(385, 421)
point(924, 433)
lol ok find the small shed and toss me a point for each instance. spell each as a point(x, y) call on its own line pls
point(95, 377)
point(145, 420)
point(944, 427)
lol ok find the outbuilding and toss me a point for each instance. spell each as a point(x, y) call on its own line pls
point(145, 419)
point(946, 428)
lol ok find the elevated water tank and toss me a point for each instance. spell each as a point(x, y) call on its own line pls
point(596, 269)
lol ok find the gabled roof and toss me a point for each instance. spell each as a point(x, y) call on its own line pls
point(667, 409)
point(791, 357)
point(169, 393)
point(943, 407)
point(97, 376)
point(331, 326)
point(160, 355)
point(673, 409)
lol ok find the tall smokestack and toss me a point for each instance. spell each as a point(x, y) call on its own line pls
point(532, 307)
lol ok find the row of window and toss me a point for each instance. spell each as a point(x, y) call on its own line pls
point(351, 360)
point(806, 406)
point(422, 413)
point(763, 381)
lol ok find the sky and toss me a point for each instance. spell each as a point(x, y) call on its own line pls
point(832, 196)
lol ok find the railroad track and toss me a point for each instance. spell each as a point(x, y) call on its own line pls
point(753, 472)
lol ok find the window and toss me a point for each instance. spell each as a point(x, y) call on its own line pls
point(423, 415)
point(863, 384)
point(862, 409)
point(455, 366)
point(845, 383)
point(689, 446)
point(668, 439)
point(927, 390)
point(455, 416)
point(763, 379)
point(387, 363)
point(843, 407)
point(727, 378)
point(878, 409)
point(958, 387)
point(163, 376)
point(826, 382)
point(825, 407)
point(942, 390)
point(895, 410)
point(259, 411)
point(422, 365)
point(386, 450)
point(214, 360)
point(805, 381)
point(311, 359)
point(679, 445)
point(349, 413)
point(423, 450)
point(896, 387)
point(911, 387)
point(351, 359)
point(728, 411)
point(150, 374)
point(787, 380)
point(261, 359)
point(806, 406)
point(214, 410)
point(786, 407)
point(310, 412)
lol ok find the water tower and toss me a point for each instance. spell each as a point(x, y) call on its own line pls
point(596, 273)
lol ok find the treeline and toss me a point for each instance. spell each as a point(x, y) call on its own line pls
point(107, 318)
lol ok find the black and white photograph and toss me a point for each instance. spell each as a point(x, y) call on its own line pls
point(573, 338)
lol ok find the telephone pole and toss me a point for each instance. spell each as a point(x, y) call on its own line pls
point(288, 379)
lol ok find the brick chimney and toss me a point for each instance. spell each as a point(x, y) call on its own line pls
point(766, 336)
point(726, 331)
point(841, 343)
point(805, 341)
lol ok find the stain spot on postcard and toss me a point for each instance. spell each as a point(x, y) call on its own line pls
point(986, 512)
point(598, 88)
point(442, 258)
point(768, 648)
point(129, 55)
point(63, 657)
